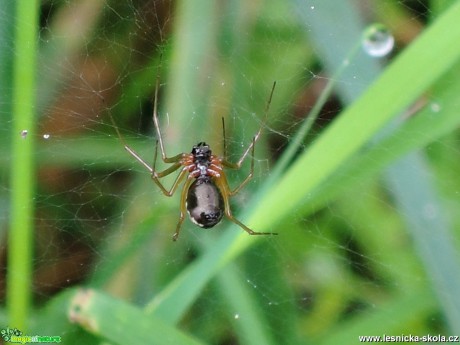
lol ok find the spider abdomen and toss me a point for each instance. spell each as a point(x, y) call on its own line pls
point(204, 202)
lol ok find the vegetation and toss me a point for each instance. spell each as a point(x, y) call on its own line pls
point(362, 187)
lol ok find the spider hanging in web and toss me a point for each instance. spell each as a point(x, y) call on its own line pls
point(205, 193)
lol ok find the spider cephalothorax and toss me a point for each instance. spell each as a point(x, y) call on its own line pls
point(201, 155)
point(205, 194)
point(201, 151)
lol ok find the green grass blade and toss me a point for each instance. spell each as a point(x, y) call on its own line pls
point(7, 29)
point(22, 165)
point(249, 322)
point(421, 130)
point(411, 182)
point(121, 322)
point(252, 327)
point(183, 97)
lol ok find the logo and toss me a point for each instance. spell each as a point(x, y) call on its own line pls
point(14, 335)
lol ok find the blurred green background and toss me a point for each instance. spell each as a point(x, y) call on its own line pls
point(357, 169)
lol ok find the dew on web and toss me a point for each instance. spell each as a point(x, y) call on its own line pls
point(378, 41)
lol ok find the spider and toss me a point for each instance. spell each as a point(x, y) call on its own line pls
point(205, 193)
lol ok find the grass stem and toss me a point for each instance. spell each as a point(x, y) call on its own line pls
point(20, 245)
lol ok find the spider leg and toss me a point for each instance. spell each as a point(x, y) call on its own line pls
point(156, 178)
point(157, 175)
point(248, 178)
point(222, 184)
point(238, 164)
point(157, 124)
point(154, 174)
point(128, 148)
point(224, 138)
point(183, 205)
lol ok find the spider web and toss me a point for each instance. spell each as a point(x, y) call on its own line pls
point(101, 221)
